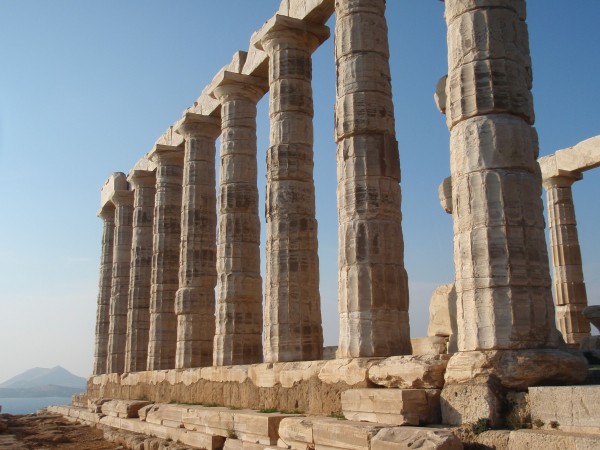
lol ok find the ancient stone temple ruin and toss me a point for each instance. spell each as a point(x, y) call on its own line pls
point(191, 340)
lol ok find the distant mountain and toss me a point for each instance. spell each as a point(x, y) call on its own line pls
point(42, 382)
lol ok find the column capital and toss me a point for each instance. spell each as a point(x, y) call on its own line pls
point(164, 154)
point(561, 181)
point(142, 178)
point(107, 211)
point(194, 125)
point(290, 32)
point(231, 84)
point(122, 198)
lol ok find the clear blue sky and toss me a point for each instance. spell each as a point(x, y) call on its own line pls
point(86, 88)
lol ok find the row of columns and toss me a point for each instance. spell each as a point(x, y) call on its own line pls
point(164, 252)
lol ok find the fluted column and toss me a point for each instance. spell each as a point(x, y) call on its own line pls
point(195, 303)
point(123, 201)
point(292, 317)
point(501, 262)
point(239, 325)
point(570, 297)
point(372, 281)
point(107, 214)
point(165, 257)
point(143, 184)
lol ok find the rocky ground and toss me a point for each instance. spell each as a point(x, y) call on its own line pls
point(49, 431)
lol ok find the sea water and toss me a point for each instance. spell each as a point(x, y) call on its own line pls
point(30, 405)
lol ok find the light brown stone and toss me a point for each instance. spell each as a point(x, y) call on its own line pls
point(429, 345)
point(123, 408)
point(410, 372)
point(392, 406)
point(573, 408)
point(468, 403)
point(552, 440)
point(330, 434)
point(442, 313)
point(413, 438)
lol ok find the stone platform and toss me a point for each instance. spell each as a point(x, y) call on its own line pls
point(310, 387)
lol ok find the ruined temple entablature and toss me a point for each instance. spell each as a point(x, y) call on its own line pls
point(572, 161)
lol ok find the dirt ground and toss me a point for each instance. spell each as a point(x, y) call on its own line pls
point(49, 431)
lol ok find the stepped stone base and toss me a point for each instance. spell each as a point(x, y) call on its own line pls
point(394, 406)
point(311, 387)
point(252, 430)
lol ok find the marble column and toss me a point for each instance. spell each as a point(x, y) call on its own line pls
point(372, 280)
point(143, 184)
point(292, 316)
point(239, 325)
point(195, 301)
point(107, 214)
point(119, 295)
point(502, 275)
point(570, 297)
point(165, 257)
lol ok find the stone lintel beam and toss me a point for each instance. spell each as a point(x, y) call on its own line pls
point(283, 28)
point(117, 181)
point(572, 160)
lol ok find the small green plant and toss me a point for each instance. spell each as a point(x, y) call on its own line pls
point(235, 408)
point(481, 425)
point(210, 405)
point(283, 411)
point(538, 423)
point(554, 424)
point(339, 415)
point(231, 434)
point(267, 410)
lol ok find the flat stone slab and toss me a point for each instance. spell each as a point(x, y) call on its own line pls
point(410, 372)
point(415, 438)
point(568, 408)
point(123, 408)
point(552, 440)
point(392, 406)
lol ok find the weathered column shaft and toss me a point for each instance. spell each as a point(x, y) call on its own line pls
point(107, 214)
point(195, 303)
point(570, 296)
point(239, 325)
point(292, 317)
point(165, 257)
point(373, 286)
point(143, 184)
point(119, 295)
point(501, 262)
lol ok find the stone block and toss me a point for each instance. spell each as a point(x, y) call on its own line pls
point(442, 311)
point(573, 408)
point(260, 428)
point(467, 403)
point(330, 434)
point(296, 432)
point(218, 421)
point(353, 371)
point(392, 406)
point(162, 414)
point(410, 438)
point(517, 369)
point(410, 372)
point(552, 440)
point(236, 444)
point(123, 408)
point(429, 345)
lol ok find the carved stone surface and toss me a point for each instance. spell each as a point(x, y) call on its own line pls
point(107, 214)
point(292, 316)
point(195, 298)
point(592, 313)
point(410, 372)
point(239, 325)
point(140, 280)
point(373, 285)
point(570, 295)
point(165, 257)
point(502, 276)
point(119, 294)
